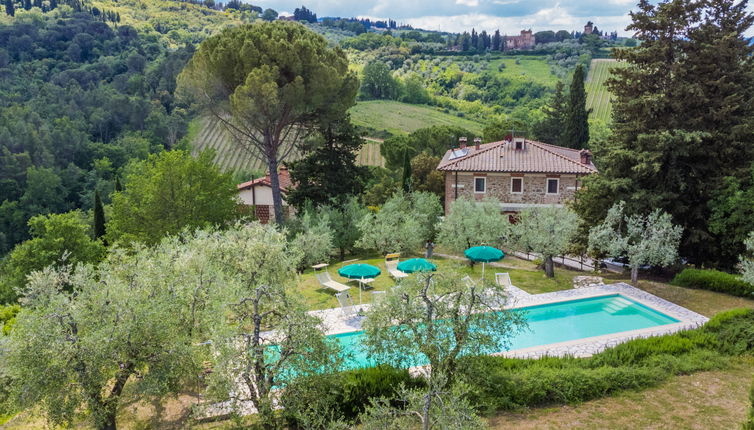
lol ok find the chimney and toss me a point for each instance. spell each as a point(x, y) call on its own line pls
point(518, 143)
point(477, 143)
point(462, 142)
point(586, 156)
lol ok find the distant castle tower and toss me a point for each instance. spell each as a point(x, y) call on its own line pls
point(588, 27)
point(525, 41)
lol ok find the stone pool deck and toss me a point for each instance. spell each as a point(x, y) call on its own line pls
point(335, 322)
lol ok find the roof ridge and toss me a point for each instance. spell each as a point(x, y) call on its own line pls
point(554, 146)
point(467, 157)
point(539, 145)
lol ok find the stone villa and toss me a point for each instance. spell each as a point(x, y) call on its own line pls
point(520, 173)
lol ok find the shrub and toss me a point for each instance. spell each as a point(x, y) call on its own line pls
point(733, 330)
point(637, 351)
point(342, 395)
point(713, 280)
point(500, 383)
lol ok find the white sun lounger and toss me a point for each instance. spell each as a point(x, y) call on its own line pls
point(326, 281)
point(391, 263)
point(503, 279)
point(346, 304)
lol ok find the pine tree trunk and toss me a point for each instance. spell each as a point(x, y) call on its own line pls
point(277, 198)
point(549, 269)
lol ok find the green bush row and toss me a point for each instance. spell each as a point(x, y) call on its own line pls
point(498, 383)
point(504, 383)
point(713, 280)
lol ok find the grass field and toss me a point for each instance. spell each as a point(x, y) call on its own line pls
point(534, 69)
point(208, 133)
point(401, 118)
point(598, 97)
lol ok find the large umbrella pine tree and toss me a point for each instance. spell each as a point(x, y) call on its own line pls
point(270, 84)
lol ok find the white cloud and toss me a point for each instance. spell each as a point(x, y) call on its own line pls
point(545, 19)
point(469, 3)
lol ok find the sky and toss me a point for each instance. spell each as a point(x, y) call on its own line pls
point(510, 16)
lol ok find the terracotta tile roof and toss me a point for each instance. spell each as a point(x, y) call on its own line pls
point(536, 157)
point(283, 177)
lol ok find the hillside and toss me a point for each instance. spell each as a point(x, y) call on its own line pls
point(598, 97)
point(210, 134)
point(175, 22)
point(400, 118)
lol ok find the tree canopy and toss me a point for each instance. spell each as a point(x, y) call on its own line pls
point(682, 120)
point(547, 231)
point(650, 239)
point(169, 192)
point(270, 84)
point(472, 223)
point(56, 240)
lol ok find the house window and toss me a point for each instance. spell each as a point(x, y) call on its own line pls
point(517, 185)
point(480, 185)
point(553, 185)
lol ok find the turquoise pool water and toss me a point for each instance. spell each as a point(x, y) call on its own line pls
point(550, 323)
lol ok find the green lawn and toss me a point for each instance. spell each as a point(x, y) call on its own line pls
point(534, 69)
point(523, 275)
point(400, 118)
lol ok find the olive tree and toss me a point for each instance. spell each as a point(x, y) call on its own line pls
point(267, 335)
point(747, 264)
point(344, 221)
point(434, 319)
point(313, 238)
point(402, 224)
point(650, 239)
point(546, 231)
point(472, 223)
point(270, 84)
point(83, 334)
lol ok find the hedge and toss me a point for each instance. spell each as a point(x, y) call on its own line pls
point(500, 383)
point(713, 280)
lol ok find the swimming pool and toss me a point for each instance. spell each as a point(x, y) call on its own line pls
point(547, 324)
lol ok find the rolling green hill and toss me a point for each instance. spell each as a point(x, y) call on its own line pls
point(400, 118)
point(598, 97)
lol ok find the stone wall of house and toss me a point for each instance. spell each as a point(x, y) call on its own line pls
point(499, 187)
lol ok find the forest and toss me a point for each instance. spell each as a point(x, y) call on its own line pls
point(79, 101)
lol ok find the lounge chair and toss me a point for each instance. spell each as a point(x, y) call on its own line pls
point(503, 279)
point(468, 281)
point(346, 304)
point(391, 263)
point(326, 281)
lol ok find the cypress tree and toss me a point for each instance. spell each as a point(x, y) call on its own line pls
point(118, 186)
point(10, 8)
point(550, 129)
point(576, 127)
point(27, 4)
point(99, 216)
